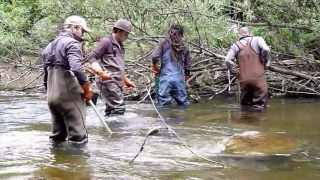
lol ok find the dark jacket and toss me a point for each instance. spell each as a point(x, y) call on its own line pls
point(65, 51)
point(110, 55)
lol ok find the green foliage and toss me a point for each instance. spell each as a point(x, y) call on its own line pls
point(289, 23)
point(26, 26)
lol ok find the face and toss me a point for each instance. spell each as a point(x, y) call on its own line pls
point(177, 40)
point(78, 31)
point(175, 36)
point(122, 36)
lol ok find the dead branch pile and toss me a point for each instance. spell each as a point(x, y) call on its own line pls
point(287, 76)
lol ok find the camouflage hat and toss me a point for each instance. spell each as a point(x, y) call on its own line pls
point(77, 21)
point(124, 25)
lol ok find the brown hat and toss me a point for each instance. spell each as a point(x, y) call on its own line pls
point(124, 25)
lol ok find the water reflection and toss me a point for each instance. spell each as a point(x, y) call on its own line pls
point(246, 117)
point(67, 162)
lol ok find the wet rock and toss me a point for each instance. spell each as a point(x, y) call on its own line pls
point(260, 144)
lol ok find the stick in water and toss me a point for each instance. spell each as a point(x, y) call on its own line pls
point(100, 117)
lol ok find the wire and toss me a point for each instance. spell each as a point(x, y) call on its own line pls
point(168, 127)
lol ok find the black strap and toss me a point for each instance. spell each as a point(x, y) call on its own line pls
point(50, 61)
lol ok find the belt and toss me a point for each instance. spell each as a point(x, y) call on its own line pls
point(58, 66)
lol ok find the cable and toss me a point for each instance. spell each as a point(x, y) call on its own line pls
point(218, 164)
point(150, 133)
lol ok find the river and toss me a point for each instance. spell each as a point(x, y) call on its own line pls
point(26, 152)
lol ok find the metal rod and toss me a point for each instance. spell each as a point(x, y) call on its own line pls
point(100, 117)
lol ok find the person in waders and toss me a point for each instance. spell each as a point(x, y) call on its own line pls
point(68, 88)
point(107, 62)
point(252, 56)
point(171, 63)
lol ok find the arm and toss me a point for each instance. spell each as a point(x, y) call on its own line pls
point(96, 54)
point(265, 51)
point(156, 54)
point(231, 56)
point(128, 83)
point(156, 59)
point(74, 56)
point(45, 62)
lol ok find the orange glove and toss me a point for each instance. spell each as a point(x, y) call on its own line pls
point(129, 84)
point(104, 75)
point(96, 69)
point(87, 91)
point(155, 69)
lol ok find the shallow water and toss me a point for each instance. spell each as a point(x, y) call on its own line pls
point(26, 152)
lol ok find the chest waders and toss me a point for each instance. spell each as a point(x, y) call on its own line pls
point(253, 85)
point(66, 105)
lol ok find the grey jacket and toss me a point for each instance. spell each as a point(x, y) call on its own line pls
point(257, 43)
point(65, 51)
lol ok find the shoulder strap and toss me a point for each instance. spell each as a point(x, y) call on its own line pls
point(239, 45)
point(250, 46)
point(51, 56)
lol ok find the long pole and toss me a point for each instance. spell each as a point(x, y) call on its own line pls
point(100, 117)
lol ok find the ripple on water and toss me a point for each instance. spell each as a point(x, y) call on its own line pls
point(24, 131)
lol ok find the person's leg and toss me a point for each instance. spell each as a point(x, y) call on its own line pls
point(260, 95)
point(74, 117)
point(179, 91)
point(112, 95)
point(59, 130)
point(246, 96)
point(164, 96)
point(74, 109)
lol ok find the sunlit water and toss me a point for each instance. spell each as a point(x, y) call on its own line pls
point(26, 152)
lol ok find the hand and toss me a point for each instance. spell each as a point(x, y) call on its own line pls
point(87, 91)
point(187, 80)
point(129, 84)
point(155, 69)
point(95, 68)
point(104, 75)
